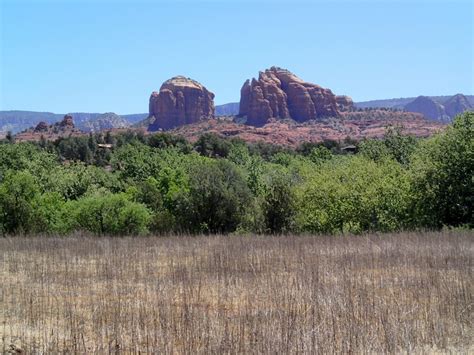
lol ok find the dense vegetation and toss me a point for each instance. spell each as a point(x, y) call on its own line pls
point(136, 184)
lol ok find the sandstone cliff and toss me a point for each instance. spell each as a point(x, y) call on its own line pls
point(278, 93)
point(180, 101)
point(344, 103)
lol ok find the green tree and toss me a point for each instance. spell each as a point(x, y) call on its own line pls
point(217, 199)
point(443, 176)
point(135, 161)
point(167, 140)
point(394, 145)
point(279, 204)
point(400, 147)
point(49, 213)
point(354, 194)
point(212, 145)
point(374, 149)
point(17, 194)
point(320, 154)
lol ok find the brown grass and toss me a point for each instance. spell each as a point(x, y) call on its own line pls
point(370, 294)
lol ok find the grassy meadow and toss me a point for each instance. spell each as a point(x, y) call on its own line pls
point(388, 293)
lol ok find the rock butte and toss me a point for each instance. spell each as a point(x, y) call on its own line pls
point(278, 93)
point(180, 101)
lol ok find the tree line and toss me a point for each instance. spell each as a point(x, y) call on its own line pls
point(132, 184)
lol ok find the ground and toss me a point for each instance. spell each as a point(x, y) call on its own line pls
point(410, 292)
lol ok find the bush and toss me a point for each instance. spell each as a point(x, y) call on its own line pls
point(212, 145)
point(394, 146)
point(354, 195)
point(279, 204)
point(18, 192)
point(111, 214)
point(217, 199)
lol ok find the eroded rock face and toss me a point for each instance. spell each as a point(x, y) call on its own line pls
point(180, 101)
point(344, 103)
point(278, 93)
point(456, 105)
point(41, 127)
point(67, 122)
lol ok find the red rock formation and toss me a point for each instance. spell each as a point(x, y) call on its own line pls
point(41, 127)
point(180, 101)
point(67, 122)
point(344, 103)
point(278, 93)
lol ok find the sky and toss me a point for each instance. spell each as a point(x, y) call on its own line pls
point(108, 56)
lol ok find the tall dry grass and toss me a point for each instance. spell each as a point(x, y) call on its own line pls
point(366, 294)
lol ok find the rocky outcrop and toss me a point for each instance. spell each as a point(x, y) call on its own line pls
point(344, 103)
point(180, 101)
point(428, 108)
point(278, 93)
point(457, 105)
point(41, 127)
point(67, 123)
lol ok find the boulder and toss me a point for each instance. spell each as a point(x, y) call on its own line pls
point(180, 101)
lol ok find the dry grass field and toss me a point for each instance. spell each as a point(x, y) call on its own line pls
point(401, 293)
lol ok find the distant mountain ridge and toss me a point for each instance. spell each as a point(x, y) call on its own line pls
point(108, 120)
point(401, 102)
point(17, 121)
point(230, 109)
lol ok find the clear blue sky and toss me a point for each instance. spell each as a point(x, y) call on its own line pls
point(103, 55)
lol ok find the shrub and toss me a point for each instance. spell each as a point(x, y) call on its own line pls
point(111, 214)
point(278, 204)
point(217, 199)
point(17, 194)
point(354, 195)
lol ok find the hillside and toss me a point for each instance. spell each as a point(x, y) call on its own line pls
point(135, 117)
point(50, 132)
point(17, 121)
point(105, 121)
point(290, 133)
point(230, 109)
